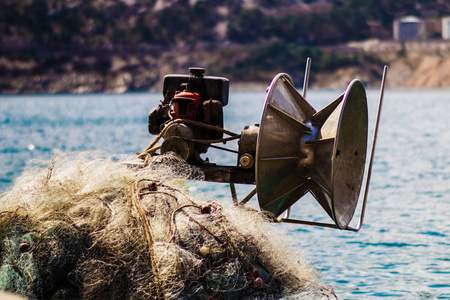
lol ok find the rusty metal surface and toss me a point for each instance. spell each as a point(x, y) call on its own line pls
point(279, 179)
point(300, 150)
point(227, 174)
point(349, 155)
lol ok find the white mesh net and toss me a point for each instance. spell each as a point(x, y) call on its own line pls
point(87, 226)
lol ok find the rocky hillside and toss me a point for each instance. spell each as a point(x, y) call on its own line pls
point(102, 23)
point(125, 45)
point(415, 64)
point(248, 67)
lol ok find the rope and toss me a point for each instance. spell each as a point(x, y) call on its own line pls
point(207, 126)
point(224, 140)
point(174, 224)
point(135, 198)
point(151, 149)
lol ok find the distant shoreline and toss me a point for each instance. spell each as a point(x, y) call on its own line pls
point(417, 64)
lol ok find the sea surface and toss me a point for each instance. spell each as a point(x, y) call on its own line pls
point(403, 248)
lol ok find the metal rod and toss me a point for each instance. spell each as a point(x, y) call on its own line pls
point(233, 193)
point(288, 213)
point(311, 223)
point(306, 79)
point(248, 197)
point(372, 153)
point(212, 146)
point(282, 158)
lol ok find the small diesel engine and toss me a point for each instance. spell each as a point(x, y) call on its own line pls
point(196, 99)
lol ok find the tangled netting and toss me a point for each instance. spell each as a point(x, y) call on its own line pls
point(90, 227)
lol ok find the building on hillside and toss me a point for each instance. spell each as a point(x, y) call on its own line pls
point(409, 28)
point(446, 28)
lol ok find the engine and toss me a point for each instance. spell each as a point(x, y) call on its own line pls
point(198, 101)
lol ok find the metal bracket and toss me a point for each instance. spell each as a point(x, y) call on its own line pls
point(368, 176)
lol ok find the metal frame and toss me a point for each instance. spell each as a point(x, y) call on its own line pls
point(305, 89)
point(368, 176)
point(234, 175)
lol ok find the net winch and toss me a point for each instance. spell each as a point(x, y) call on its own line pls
point(293, 151)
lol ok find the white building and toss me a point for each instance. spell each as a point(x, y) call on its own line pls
point(409, 28)
point(446, 28)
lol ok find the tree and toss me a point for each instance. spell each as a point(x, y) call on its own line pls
point(249, 26)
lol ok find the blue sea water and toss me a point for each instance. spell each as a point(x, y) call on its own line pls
point(403, 248)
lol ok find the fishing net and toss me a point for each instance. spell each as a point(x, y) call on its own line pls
point(87, 226)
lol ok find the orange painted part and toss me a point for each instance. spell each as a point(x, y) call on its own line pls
point(185, 105)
